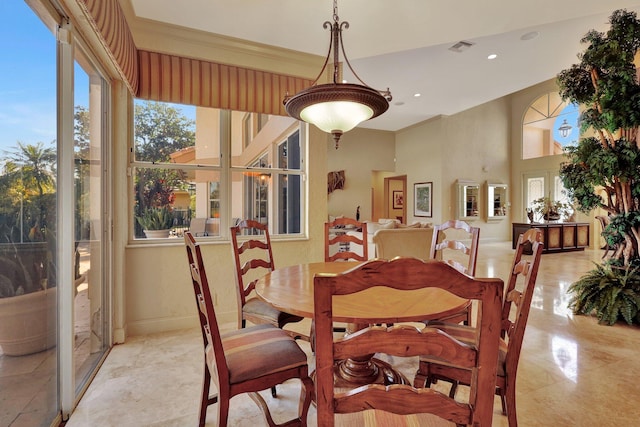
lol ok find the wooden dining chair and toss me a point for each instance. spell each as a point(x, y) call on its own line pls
point(253, 258)
point(335, 233)
point(512, 331)
point(246, 360)
point(455, 251)
point(404, 340)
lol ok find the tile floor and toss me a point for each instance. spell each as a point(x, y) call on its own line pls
point(28, 383)
point(573, 372)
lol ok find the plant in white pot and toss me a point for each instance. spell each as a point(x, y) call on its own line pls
point(156, 222)
point(28, 273)
point(27, 297)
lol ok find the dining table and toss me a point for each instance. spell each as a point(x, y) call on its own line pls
point(290, 289)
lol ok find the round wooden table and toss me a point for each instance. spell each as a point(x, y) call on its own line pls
point(290, 289)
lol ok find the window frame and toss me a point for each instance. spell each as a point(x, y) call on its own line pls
point(226, 171)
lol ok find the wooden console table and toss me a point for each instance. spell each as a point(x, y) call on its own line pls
point(557, 236)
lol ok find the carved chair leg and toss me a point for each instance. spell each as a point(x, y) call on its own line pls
point(503, 400)
point(306, 397)
point(510, 398)
point(205, 399)
point(223, 412)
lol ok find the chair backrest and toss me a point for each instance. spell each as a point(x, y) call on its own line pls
point(455, 251)
point(405, 275)
point(513, 325)
point(253, 257)
point(208, 321)
point(335, 234)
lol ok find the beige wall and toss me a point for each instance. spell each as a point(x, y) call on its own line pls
point(361, 152)
point(472, 145)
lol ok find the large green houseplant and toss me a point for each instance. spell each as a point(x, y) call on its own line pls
point(603, 170)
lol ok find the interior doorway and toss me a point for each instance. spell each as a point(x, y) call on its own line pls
point(395, 196)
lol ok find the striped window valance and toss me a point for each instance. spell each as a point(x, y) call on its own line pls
point(109, 23)
point(182, 80)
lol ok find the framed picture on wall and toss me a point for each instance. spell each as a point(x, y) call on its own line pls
point(422, 199)
point(398, 200)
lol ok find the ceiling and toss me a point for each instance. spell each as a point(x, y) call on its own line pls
point(404, 44)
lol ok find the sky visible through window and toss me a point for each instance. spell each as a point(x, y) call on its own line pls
point(28, 78)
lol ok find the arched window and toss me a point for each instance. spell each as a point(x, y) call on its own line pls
point(549, 125)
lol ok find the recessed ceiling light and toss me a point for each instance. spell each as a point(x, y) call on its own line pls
point(492, 56)
point(417, 95)
point(399, 103)
point(530, 35)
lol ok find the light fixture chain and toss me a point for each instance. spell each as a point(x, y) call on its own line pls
point(335, 11)
point(336, 52)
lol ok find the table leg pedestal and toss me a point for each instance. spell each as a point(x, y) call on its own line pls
point(352, 373)
point(355, 372)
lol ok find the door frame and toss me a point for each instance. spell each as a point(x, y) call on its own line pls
point(388, 194)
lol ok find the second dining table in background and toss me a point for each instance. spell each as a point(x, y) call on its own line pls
point(290, 289)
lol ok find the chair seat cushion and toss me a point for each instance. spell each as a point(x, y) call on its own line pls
point(260, 350)
point(467, 335)
point(258, 311)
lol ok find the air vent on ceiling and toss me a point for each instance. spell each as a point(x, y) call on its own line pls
point(461, 46)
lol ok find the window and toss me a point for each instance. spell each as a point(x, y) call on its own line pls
point(549, 125)
point(258, 195)
point(289, 186)
point(199, 163)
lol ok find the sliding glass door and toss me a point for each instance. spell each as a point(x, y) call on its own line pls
point(54, 247)
point(90, 131)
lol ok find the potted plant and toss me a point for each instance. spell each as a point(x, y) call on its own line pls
point(603, 170)
point(27, 297)
point(28, 270)
point(156, 222)
point(546, 209)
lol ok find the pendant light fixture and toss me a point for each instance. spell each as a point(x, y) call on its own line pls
point(565, 129)
point(337, 107)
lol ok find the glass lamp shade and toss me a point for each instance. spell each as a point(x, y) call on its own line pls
point(336, 115)
point(336, 107)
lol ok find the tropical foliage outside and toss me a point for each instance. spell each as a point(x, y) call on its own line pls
point(160, 130)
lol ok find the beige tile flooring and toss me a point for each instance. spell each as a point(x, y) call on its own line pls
point(573, 372)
